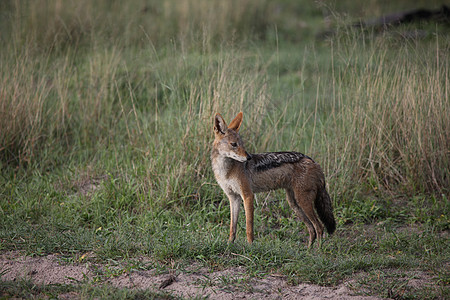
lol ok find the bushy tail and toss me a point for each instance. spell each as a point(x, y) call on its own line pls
point(325, 210)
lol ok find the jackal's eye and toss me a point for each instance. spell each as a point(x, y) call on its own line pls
point(233, 145)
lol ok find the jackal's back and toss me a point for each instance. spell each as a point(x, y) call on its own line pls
point(276, 170)
point(270, 160)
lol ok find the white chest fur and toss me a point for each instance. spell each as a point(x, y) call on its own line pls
point(227, 182)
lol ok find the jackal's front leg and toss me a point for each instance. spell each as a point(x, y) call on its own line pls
point(249, 212)
point(235, 202)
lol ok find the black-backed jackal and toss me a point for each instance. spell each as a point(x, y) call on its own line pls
point(241, 174)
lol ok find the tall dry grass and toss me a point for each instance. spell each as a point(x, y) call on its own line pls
point(23, 115)
point(67, 71)
point(63, 24)
point(49, 103)
point(393, 114)
point(96, 75)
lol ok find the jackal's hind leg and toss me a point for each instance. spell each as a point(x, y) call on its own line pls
point(302, 216)
point(305, 200)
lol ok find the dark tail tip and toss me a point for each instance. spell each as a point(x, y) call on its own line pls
point(325, 210)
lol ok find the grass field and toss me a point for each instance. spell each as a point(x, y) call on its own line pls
point(106, 114)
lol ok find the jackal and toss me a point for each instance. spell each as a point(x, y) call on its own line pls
point(241, 174)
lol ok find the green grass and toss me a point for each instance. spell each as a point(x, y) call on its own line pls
point(105, 131)
point(28, 290)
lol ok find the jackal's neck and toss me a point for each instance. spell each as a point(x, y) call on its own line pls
point(222, 165)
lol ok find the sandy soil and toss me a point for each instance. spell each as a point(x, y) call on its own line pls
point(225, 284)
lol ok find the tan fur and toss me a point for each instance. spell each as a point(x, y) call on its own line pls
point(240, 177)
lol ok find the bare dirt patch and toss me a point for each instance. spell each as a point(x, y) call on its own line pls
point(225, 284)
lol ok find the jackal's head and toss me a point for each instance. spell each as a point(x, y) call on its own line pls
point(227, 141)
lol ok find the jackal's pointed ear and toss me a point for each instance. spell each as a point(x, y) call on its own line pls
point(219, 124)
point(236, 123)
